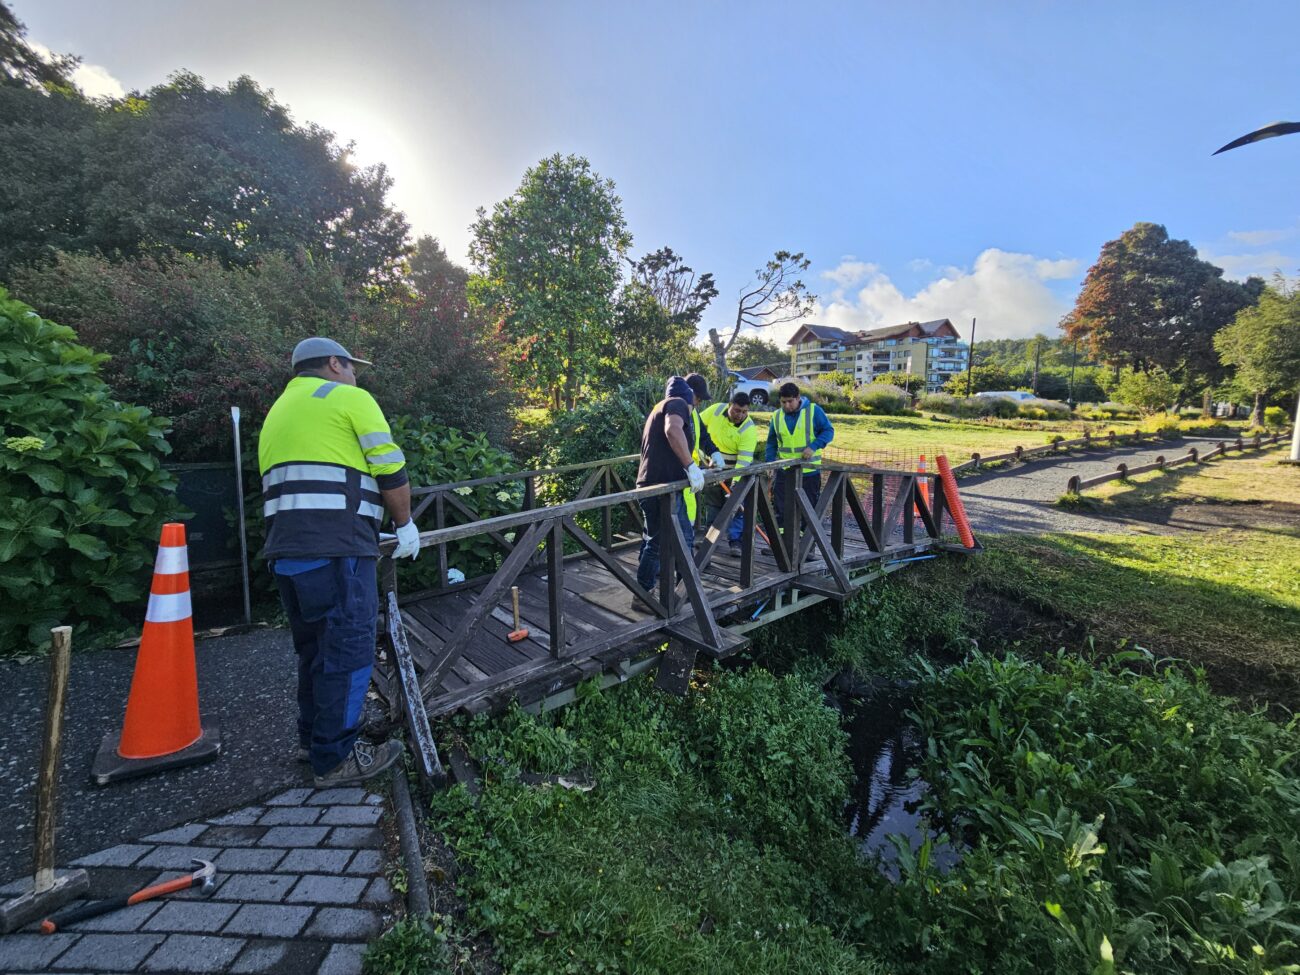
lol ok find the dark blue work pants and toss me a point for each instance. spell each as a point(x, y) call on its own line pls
point(647, 570)
point(810, 484)
point(332, 614)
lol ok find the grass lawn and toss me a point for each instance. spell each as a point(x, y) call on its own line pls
point(1212, 576)
point(881, 439)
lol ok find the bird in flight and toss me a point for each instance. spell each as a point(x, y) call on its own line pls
point(1267, 132)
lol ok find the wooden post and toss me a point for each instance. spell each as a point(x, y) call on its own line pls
point(440, 521)
point(51, 745)
point(667, 557)
point(555, 586)
point(606, 513)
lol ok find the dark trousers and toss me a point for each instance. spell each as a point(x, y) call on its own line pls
point(811, 485)
point(647, 570)
point(332, 611)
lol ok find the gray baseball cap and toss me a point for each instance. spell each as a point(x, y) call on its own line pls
point(317, 347)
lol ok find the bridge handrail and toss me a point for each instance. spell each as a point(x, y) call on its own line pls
point(508, 522)
point(522, 475)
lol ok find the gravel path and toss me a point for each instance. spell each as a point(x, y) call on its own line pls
point(1021, 498)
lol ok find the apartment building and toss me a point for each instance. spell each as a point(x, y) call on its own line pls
point(930, 350)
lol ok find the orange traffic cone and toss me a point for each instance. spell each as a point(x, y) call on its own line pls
point(922, 484)
point(162, 728)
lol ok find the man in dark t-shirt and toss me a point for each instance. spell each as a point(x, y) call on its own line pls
point(667, 442)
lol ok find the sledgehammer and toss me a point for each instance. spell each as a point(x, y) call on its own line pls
point(518, 633)
point(201, 878)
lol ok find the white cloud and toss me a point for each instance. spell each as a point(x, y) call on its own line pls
point(850, 271)
point(1260, 238)
point(1007, 292)
point(93, 79)
point(1241, 266)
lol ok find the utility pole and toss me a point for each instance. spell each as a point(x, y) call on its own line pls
point(970, 357)
point(1074, 361)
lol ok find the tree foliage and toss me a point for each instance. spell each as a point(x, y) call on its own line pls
point(1263, 345)
point(21, 66)
point(1151, 391)
point(775, 295)
point(548, 268)
point(647, 341)
point(1149, 301)
point(82, 488)
point(750, 350)
point(209, 171)
point(675, 286)
point(190, 337)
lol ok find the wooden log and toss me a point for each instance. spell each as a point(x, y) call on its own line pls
point(427, 763)
point(51, 746)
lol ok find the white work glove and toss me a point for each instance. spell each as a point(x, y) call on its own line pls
point(408, 542)
point(718, 460)
point(696, 477)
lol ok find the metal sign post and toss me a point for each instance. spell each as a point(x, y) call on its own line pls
point(239, 493)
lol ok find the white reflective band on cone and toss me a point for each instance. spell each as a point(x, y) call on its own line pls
point(171, 560)
point(168, 609)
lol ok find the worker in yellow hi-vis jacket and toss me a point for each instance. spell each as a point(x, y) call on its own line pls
point(329, 469)
point(735, 436)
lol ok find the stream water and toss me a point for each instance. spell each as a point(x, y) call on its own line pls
point(883, 746)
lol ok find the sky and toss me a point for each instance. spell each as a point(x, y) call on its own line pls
point(932, 159)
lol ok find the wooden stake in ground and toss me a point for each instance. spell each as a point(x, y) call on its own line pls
point(50, 889)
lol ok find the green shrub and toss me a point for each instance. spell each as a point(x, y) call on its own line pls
point(436, 454)
point(1149, 392)
point(410, 947)
point(1002, 407)
point(1099, 802)
point(1049, 408)
point(941, 403)
point(830, 395)
point(882, 398)
point(82, 488)
point(1276, 418)
point(775, 754)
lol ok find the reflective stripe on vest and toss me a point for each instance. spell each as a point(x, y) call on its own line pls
point(791, 443)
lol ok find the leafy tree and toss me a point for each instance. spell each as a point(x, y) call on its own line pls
point(1263, 345)
point(675, 286)
point(775, 295)
point(548, 267)
point(1151, 391)
point(23, 67)
point(431, 273)
point(903, 380)
point(220, 172)
point(982, 379)
point(750, 350)
point(648, 342)
point(82, 487)
point(1149, 302)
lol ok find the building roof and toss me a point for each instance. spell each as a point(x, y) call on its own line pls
point(755, 372)
point(828, 333)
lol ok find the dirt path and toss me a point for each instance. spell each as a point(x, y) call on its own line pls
point(1023, 498)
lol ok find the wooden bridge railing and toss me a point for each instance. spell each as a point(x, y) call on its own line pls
point(819, 549)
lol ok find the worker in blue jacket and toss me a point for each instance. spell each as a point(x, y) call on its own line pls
point(800, 429)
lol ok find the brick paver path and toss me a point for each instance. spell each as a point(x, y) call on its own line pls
point(300, 890)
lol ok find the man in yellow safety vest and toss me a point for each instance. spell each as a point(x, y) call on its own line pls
point(800, 429)
point(735, 436)
point(329, 469)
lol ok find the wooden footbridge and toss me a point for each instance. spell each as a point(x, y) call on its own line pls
point(445, 650)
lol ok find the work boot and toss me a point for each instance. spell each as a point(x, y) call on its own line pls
point(365, 762)
point(735, 549)
point(304, 754)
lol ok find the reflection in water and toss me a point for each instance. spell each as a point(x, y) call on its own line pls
point(884, 800)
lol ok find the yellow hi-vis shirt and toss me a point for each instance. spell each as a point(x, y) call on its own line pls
point(688, 496)
point(791, 443)
point(737, 443)
point(325, 453)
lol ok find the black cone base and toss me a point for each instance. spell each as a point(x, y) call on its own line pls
point(109, 766)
